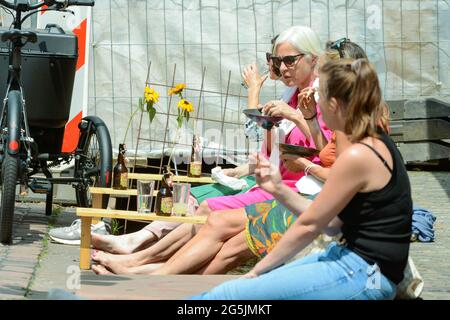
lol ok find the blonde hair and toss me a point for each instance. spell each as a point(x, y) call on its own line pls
point(330, 55)
point(304, 39)
point(353, 51)
point(355, 83)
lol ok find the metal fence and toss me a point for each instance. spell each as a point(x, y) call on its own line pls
point(407, 40)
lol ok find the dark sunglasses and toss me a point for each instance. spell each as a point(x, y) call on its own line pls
point(339, 46)
point(287, 60)
point(275, 70)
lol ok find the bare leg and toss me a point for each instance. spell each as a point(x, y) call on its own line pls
point(233, 253)
point(123, 244)
point(220, 226)
point(144, 269)
point(142, 239)
point(160, 251)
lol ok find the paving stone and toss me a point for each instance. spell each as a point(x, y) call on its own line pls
point(431, 190)
point(15, 275)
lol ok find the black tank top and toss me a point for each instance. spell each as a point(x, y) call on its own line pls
point(377, 225)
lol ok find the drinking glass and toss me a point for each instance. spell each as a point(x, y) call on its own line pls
point(181, 193)
point(145, 195)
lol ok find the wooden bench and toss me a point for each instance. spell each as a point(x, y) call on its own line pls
point(87, 214)
point(158, 177)
point(97, 193)
point(96, 213)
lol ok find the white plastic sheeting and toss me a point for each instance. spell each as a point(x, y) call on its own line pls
point(407, 40)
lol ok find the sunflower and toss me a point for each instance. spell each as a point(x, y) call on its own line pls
point(185, 105)
point(151, 95)
point(177, 90)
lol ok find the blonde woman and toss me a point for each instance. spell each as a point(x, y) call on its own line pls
point(367, 197)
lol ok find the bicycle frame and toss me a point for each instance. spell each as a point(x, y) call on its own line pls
point(16, 135)
point(15, 116)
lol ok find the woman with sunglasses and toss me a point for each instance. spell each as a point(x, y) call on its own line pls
point(232, 237)
point(300, 37)
point(155, 231)
point(367, 197)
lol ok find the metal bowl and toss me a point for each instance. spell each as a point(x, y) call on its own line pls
point(266, 122)
point(298, 150)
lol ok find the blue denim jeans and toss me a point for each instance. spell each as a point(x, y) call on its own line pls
point(336, 274)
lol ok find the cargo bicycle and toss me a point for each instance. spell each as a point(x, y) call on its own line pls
point(37, 72)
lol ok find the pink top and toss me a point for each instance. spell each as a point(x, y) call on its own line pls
point(296, 137)
point(256, 194)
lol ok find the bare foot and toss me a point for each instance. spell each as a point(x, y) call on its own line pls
point(101, 270)
point(123, 244)
point(146, 268)
point(118, 264)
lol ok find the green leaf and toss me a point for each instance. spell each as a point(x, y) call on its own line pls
point(141, 104)
point(151, 112)
point(180, 121)
point(187, 115)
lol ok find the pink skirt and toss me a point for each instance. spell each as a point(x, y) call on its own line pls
point(252, 196)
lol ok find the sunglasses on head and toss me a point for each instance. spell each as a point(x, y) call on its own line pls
point(338, 45)
point(288, 61)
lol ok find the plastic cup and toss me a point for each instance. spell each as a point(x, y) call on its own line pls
point(145, 195)
point(181, 193)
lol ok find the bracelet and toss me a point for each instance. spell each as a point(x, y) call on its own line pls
point(315, 115)
point(309, 167)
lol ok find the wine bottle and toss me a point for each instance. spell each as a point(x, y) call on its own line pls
point(164, 202)
point(120, 180)
point(195, 164)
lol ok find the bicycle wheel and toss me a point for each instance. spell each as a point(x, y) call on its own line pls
point(94, 161)
point(9, 173)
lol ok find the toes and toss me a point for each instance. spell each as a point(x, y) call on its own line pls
point(94, 253)
point(101, 270)
point(96, 268)
point(98, 256)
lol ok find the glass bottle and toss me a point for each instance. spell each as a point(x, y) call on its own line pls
point(120, 180)
point(164, 202)
point(195, 164)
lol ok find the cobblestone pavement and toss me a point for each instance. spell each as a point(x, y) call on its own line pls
point(22, 275)
point(18, 262)
point(431, 190)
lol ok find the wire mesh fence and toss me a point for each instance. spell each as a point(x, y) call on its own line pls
point(407, 40)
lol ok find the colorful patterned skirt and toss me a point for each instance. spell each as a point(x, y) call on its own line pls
point(267, 222)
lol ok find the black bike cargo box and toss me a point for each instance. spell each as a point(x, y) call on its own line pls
point(48, 73)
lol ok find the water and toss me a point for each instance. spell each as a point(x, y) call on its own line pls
point(144, 203)
point(180, 209)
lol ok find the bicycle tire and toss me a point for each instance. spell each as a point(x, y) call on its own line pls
point(103, 179)
point(10, 168)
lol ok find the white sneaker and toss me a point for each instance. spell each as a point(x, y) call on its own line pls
point(72, 235)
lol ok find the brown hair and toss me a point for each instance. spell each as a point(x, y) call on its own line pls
point(355, 83)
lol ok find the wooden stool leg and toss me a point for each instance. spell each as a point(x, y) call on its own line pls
point(85, 244)
point(97, 202)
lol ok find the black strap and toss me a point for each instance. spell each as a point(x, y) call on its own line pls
point(378, 155)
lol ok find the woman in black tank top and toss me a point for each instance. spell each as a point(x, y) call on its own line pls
point(367, 197)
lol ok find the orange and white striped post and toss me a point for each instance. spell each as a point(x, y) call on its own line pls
point(80, 25)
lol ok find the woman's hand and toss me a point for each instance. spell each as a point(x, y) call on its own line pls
point(268, 177)
point(230, 172)
point(307, 103)
point(280, 108)
point(252, 78)
point(294, 163)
